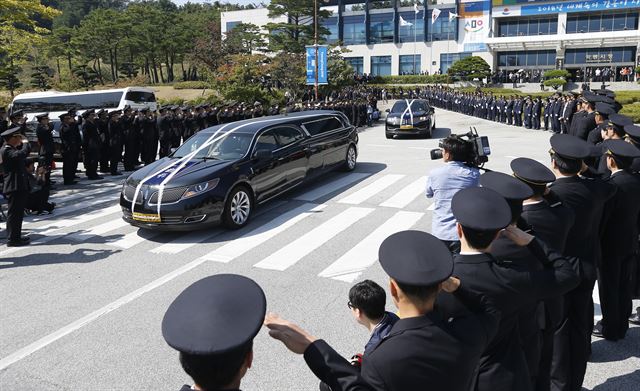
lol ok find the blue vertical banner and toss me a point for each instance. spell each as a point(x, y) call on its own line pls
point(322, 65)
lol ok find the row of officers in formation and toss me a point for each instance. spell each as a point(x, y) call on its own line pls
point(103, 139)
point(512, 311)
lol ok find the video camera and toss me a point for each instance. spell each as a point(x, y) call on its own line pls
point(478, 149)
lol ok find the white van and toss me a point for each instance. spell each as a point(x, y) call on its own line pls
point(57, 103)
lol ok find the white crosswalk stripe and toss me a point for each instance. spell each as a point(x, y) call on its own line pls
point(365, 253)
point(331, 187)
point(77, 207)
point(98, 230)
point(83, 193)
point(290, 254)
point(407, 194)
point(253, 239)
point(134, 238)
point(370, 190)
point(186, 241)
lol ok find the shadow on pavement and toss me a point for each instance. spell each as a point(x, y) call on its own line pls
point(83, 255)
point(626, 382)
point(608, 351)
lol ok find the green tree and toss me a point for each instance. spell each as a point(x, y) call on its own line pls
point(60, 45)
point(74, 11)
point(9, 78)
point(245, 38)
point(470, 68)
point(298, 30)
point(340, 72)
point(41, 77)
point(87, 76)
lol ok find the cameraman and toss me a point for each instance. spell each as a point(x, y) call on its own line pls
point(444, 182)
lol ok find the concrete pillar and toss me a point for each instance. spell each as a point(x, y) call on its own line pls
point(396, 21)
point(367, 23)
point(562, 23)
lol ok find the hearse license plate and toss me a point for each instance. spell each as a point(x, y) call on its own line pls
point(406, 127)
point(146, 217)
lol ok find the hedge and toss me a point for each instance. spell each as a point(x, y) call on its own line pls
point(412, 79)
point(633, 111)
point(191, 85)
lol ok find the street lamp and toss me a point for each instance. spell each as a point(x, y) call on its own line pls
point(315, 45)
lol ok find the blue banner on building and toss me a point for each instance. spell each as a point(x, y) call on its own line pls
point(322, 65)
point(578, 6)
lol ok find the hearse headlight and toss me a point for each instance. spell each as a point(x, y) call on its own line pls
point(200, 188)
point(424, 118)
point(393, 120)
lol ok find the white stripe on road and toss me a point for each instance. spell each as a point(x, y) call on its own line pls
point(371, 189)
point(71, 327)
point(83, 193)
point(98, 230)
point(432, 206)
point(405, 196)
point(331, 187)
point(253, 239)
point(296, 250)
point(131, 239)
point(186, 241)
point(77, 207)
point(364, 254)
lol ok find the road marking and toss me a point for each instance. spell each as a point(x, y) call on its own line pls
point(290, 254)
point(253, 239)
point(364, 254)
point(76, 207)
point(186, 241)
point(432, 206)
point(331, 187)
point(380, 145)
point(370, 190)
point(131, 239)
point(422, 148)
point(98, 230)
point(82, 193)
point(405, 196)
point(71, 327)
point(511, 157)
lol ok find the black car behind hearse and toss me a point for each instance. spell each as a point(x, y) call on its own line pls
point(410, 117)
point(223, 173)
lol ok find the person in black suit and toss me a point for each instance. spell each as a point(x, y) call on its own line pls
point(14, 154)
point(91, 144)
point(3, 119)
point(619, 241)
point(116, 139)
point(103, 130)
point(551, 222)
point(149, 136)
point(164, 131)
point(217, 350)
point(633, 137)
point(586, 197)
point(482, 214)
point(45, 139)
point(71, 144)
point(423, 348)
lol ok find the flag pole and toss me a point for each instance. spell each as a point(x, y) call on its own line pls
point(415, 17)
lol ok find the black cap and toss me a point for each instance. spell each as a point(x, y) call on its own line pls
point(64, 115)
point(41, 116)
point(569, 147)
point(100, 112)
point(11, 131)
point(593, 98)
point(415, 258)
point(112, 113)
point(633, 131)
point(621, 148)
point(605, 109)
point(88, 113)
point(215, 315)
point(531, 171)
point(126, 108)
point(17, 114)
point(508, 187)
point(481, 208)
point(620, 120)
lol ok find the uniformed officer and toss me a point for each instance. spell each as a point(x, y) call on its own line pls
point(17, 119)
point(149, 137)
point(551, 222)
point(619, 241)
point(45, 139)
point(164, 131)
point(481, 214)
point(423, 348)
point(3, 119)
point(116, 138)
point(103, 131)
point(71, 144)
point(14, 153)
point(131, 138)
point(212, 324)
point(586, 197)
point(91, 144)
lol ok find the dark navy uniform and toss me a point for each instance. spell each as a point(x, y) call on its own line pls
point(71, 145)
point(16, 185)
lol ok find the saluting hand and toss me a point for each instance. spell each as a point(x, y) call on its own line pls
point(517, 236)
point(294, 338)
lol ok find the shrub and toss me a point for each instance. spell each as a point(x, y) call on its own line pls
point(557, 74)
point(555, 83)
point(188, 85)
point(633, 111)
point(412, 79)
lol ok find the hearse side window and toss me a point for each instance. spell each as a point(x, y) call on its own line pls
point(287, 135)
point(323, 125)
point(267, 140)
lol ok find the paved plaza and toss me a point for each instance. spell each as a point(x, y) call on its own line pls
point(82, 306)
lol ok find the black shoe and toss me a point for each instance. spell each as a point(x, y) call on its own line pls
point(597, 330)
point(67, 183)
point(635, 318)
point(50, 207)
point(76, 177)
point(12, 243)
point(116, 173)
point(95, 178)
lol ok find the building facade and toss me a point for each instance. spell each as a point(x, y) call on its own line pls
point(399, 37)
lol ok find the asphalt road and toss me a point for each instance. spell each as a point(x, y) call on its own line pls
point(81, 307)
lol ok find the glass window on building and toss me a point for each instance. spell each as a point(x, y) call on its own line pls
point(594, 56)
point(442, 29)
point(381, 28)
point(407, 32)
point(410, 64)
point(354, 30)
point(527, 27)
point(447, 59)
point(527, 59)
point(331, 24)
point(602, 22)
point(231, 25)
point(380, 65)
point(357, 63)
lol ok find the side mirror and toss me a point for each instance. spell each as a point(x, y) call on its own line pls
point(387, 111)
point(263, 154)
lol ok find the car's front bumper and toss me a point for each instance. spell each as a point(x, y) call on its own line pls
point(417, 128)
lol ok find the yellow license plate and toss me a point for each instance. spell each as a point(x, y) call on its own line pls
point(146, 217)
point(406, 127)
